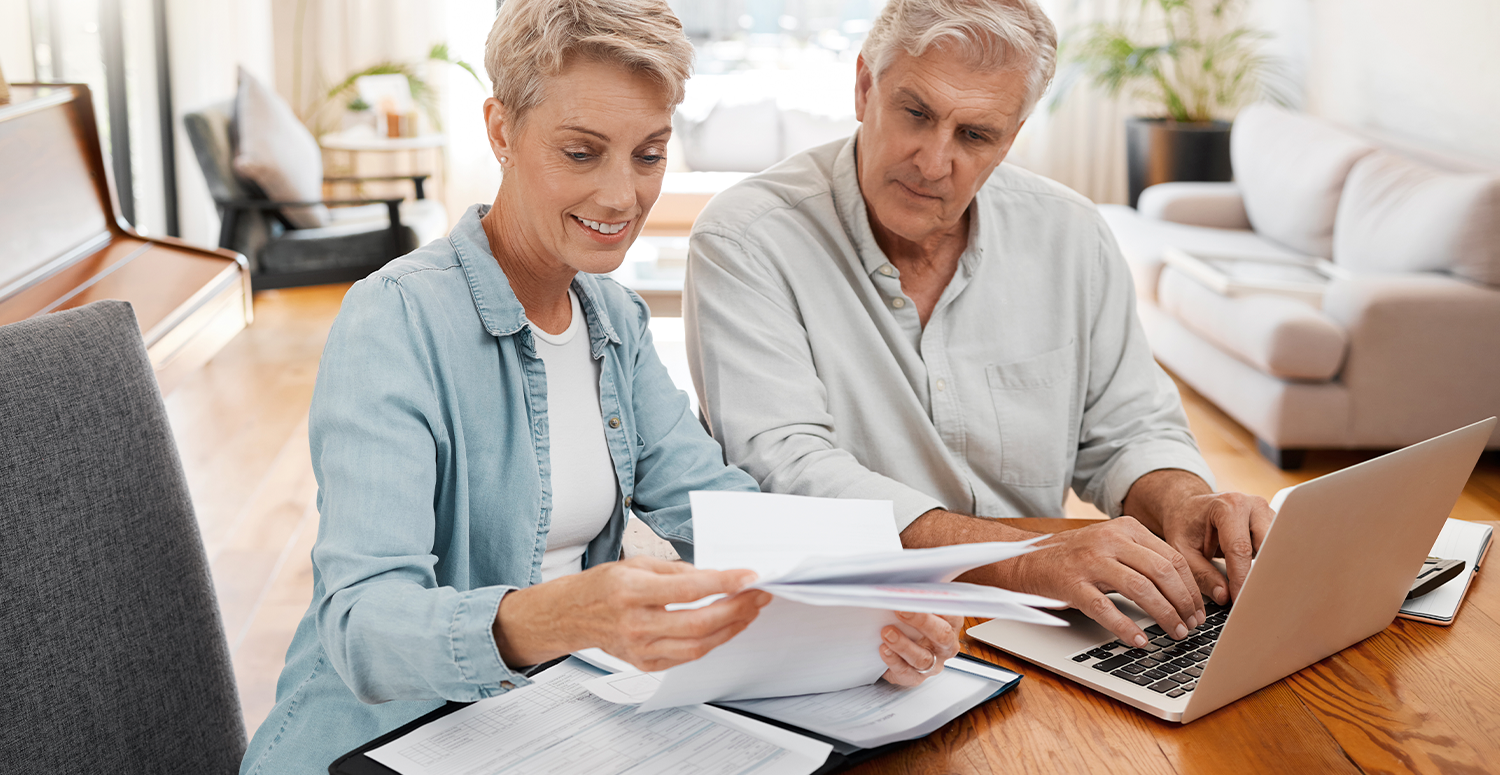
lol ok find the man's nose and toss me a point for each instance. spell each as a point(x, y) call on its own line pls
point(935, 159)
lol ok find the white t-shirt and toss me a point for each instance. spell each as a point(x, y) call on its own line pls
point(583, 474)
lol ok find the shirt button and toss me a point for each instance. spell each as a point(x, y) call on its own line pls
point(507, 685)
point(887, 270)
point(898, 302)
point(627, 501)
point(614, 422)
point(942, 384)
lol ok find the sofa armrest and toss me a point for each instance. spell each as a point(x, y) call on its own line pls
point(1216, 205)
point(1422, 353)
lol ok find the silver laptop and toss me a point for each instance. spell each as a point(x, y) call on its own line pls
point(1332, 571)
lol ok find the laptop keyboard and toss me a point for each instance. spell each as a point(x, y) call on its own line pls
point(1171, 667)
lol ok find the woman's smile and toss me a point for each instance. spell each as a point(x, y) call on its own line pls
point(606, 230)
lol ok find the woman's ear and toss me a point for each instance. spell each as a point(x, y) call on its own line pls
point(500, 130)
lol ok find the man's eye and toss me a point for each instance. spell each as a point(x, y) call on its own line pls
point(975, 136)
point(916, 113)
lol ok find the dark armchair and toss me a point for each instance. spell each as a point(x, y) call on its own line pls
point(361, 234)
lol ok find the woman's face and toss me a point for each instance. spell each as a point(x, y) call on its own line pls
point(584, 168)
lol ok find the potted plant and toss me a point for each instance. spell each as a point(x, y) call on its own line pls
point(1189, 65)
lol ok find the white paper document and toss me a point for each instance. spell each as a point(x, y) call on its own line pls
point(557, 726)
point(863, 717)
point(837, 570)
point(1459, 540)
point(880, 713)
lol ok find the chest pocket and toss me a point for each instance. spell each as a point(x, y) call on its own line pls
point(1034, 404)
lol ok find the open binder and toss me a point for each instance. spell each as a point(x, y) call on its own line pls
point(837, 755)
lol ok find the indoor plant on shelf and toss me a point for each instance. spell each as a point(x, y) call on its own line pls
point(1188, 65)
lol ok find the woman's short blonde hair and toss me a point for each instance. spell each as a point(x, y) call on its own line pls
point(990, 34)
point(533, 40)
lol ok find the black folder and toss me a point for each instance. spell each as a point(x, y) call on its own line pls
point(356, 762)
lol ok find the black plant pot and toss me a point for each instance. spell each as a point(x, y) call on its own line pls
point(1160, 150)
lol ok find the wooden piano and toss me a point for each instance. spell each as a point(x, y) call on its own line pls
point(63, 244)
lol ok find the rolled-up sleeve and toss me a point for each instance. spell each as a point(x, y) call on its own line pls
point(759, 387)
point(1133, 421)
point(389, 629)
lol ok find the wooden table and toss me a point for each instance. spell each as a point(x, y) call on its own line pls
point(1413, 698)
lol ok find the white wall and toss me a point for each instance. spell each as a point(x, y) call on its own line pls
point(1423, 72)
point(208, 41)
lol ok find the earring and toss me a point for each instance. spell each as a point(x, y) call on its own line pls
point(504, 159)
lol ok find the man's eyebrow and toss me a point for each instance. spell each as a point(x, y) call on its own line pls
point(914, 97)
point(658, 133)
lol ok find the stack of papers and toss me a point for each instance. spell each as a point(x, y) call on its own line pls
point(555, 726)
point(864, 716)
point(837, 569)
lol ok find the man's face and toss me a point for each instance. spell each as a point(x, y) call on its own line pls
point(933, 130)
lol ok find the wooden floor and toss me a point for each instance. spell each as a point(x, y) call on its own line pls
point(241, 427)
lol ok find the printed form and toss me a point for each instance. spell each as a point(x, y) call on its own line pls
point(555, 726)
point(837, 570)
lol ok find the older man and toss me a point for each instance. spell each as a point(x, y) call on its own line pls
point(899, 316)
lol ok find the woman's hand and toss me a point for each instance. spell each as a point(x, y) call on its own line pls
point(620, 607)
point(915, 648)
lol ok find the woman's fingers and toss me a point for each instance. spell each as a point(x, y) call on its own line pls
point(916, 648)
point(658, 582)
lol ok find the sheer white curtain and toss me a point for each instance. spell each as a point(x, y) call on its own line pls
point(1079, 141)
point(321, 42)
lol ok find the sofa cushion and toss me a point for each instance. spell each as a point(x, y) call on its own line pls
point(1281, 336)
point(1400, 216)
point(735, 136)
point(1143, 239)
point(1291, 170)
point(276, 152)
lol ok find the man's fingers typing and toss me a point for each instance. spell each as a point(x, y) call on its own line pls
point(1101, 609)
point(1168, 576)
point(1207, 576)
point(1233, 527)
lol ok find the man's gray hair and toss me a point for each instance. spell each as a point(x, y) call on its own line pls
point(532, 40)
point(989, 34)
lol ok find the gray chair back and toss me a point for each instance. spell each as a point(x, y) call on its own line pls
point(114, 654)
point(211, 132)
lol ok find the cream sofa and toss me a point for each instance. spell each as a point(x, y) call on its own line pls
point(1406, 342)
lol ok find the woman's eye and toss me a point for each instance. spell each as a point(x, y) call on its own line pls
point(579, 155)
point(651, 158)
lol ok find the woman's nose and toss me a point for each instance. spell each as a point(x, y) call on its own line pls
point(617, 189)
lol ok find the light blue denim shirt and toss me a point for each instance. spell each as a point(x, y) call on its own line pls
point(429, 440)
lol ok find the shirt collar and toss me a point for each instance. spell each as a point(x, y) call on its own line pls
point(850, 204)
point(499, 309)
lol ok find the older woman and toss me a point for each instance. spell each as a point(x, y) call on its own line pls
point(488, 411)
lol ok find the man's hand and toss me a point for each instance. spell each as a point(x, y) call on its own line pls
point(916, 647)
point(1202, 524)
point(1079, 567)
point(620, 607)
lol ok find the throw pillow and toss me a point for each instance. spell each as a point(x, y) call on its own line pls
point(1291, 170)
point(1397, 215)
point(275, 151)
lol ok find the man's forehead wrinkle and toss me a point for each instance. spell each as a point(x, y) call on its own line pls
point(975, 107)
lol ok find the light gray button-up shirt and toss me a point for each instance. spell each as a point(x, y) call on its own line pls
point(1032, 375)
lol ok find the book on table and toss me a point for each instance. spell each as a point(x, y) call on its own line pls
point(1459, 540)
